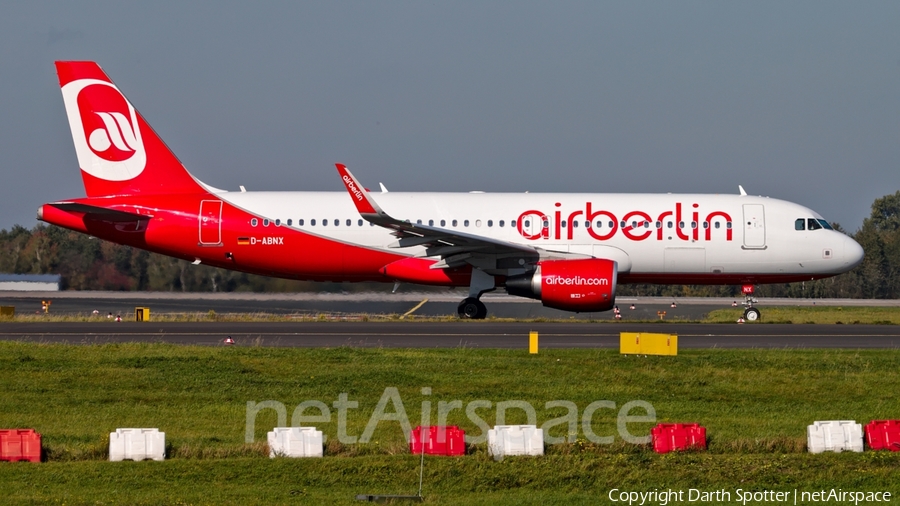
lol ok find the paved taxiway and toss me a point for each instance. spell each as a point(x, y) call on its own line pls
point(454, 334)
point(439, 303)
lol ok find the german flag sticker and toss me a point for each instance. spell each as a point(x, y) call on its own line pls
point(243, 241)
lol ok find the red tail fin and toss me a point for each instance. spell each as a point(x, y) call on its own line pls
point(118, 152)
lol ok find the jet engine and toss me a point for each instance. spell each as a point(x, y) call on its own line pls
point(582, 285)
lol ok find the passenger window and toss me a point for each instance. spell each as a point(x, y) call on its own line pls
point(705, 224)
point(693, 224)
point(658, 224)
point(337, 222)
point(587, 224)
point(512, 223)
point(728, 225)
point(633, 224)
point(430, 223)
point(813, 224)
point(349, 222)
point(611, 224)
point(265, 222)
point(546, 223)
point(477, 223)
point(312, 223)
point(717, 224)
point(360, 223)
point(501, 223)
point(680, 224)
point(621, 224)
point(418, 222)
point(290, 222)
point(300, 222)
point(527, 223)
point(800, 224)
point(443, 223)
point(490, 223)
point(574, 224)
point(465, 223)
point(669, 224)
point(454, 223)
point(324, 223)
point(278, 222)
point(254, 222)
point(646, 224)
point(563, 223)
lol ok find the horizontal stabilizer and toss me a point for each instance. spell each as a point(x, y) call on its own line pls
point(99, 213)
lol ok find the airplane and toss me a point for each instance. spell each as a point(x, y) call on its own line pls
point(568, 250)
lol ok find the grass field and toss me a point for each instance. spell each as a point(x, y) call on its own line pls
point(756, 405)
point(819, 314)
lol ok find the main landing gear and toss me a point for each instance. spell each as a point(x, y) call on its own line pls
point(471, 308)
point(751, 314)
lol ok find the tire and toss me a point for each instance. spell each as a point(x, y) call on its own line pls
point(752, 314)
point(471, 309)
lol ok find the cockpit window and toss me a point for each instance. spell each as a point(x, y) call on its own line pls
point(812, 224)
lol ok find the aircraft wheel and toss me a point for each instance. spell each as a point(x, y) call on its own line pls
point(472, 309)
point(751, 314)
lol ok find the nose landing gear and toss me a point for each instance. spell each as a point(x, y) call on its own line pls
point(751, 314)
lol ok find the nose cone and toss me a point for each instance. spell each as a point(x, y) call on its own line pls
point(853, 253)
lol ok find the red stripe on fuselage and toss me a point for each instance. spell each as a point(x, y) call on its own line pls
point(172, 228)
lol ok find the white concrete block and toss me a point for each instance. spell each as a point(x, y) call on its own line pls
point(506, 440)
point(295, 442)
point(137, 444)
point(834, 436)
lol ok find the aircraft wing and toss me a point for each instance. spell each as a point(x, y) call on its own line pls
point(455, 248)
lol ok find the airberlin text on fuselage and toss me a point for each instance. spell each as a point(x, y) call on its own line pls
point(638, 225)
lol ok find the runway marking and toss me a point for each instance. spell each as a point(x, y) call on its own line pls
point(411, 311)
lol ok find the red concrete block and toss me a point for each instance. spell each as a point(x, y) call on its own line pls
point(669, 437)
point(883, 435)
point(20, 444)
point(439, 440)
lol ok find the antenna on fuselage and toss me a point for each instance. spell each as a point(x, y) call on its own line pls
point(741, 189)
point(383, 188)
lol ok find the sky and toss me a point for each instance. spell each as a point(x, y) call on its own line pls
point(793, 100)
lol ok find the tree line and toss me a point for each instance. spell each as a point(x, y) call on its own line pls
point(87, 263)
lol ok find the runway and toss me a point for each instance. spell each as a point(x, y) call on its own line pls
point(453, 334)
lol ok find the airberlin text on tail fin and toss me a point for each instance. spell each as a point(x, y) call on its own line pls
point(118, 152)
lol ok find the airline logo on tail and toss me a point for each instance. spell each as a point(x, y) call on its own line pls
point(105, 130)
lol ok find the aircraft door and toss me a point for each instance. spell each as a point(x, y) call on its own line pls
point(754, 226)
point(210, 222)
point(531, 225)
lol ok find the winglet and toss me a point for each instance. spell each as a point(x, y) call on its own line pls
point(364, 203)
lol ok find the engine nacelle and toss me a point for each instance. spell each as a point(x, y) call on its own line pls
point(583, 285)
